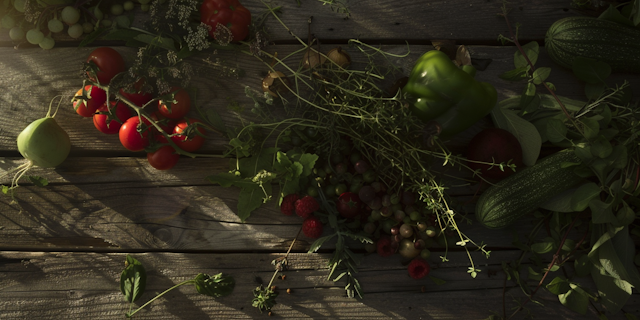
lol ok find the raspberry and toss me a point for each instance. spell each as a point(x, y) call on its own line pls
point(384, 247)
point(288, 202)
point(306, 206)
point(418, 268)
point(312, 227)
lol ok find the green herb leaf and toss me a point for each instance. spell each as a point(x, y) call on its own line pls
point(39, 181)
point(308, 161)
point(614, 293)
point(543, 247)
point(523, 130)
point(527, 96)
point(560, 203)
point(133, 279)
point(601, 148)
point(215, 120)
point(541, 74)
point(214, 286)
point(515, 74)
point(601, 212)
point(532, 50)
point(582, 266)
point(319, 242)
point(612, 14)
point(590, 70)
point(626, 216)
point(437, 281)
point(559, 285)
point(590, 128)
point(556, 130)
point(583, 195)
point(225, 179)
point(594, 90)
point(575, 299)
point(250, 199)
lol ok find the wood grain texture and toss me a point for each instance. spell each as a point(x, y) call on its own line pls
point(85, 285)
point(400, 20)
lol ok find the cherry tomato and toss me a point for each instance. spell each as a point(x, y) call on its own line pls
point(130, 137)
point(183, 141)
point(164, 158)
point(120, 110)
point(107, 61)
point(96, 98)
point(175, 110)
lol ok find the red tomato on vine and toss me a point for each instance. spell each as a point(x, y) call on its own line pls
point(188, 139)
point(164, 158)
point(104, 63)
point(229, 13)
point(178, 109)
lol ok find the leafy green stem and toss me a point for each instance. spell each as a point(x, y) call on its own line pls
point(191, 281)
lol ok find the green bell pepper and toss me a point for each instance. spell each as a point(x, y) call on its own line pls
point(440, 91)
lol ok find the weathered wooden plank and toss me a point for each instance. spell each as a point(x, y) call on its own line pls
point(33, 77)
point(75, 285)
point(143, 216)
point(401, 20)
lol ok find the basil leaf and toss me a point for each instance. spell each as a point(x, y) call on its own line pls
point(133, 279)
point(215, 286)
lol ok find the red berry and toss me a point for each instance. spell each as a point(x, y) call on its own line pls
point(306, 206)
point(384, 247)
point(349, 205)
point(418, 268)
point(312, 227)
point(287, 205)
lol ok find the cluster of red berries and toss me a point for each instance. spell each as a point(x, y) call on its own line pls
point(304, 207)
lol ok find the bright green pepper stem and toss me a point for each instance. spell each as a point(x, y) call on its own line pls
point(440, 91)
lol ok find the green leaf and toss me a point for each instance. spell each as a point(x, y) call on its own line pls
point(549, 101)
point(618, 158)
point(319, 242)
point(634, 15)
point(543, 247)
point(556, 130)
point(249, 167)
point(515, 74)
point(215, 120)
point(575, 299)
point(582, 266)
point(541, 74)
point(560, 203)
point(601, 212)
point(437, 281)
point(133, 279)
point(590, 127)
point(625, 215)
point(308, 161)
point(38, 181)
point(215, 286)
point(533, 275)
point(594, 90)
point(624, 248)
point(614, 293)
point(601, 148)
point(527, 96)
point(590, 70)
point(225, 179)
point(583, 195)
point(523, 130)
point(612, 14)
point(162, 42)
point(250, 199)
point(559, 285)
point(93, 36)
point(532, 50)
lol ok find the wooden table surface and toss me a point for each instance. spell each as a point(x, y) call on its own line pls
point(62, 247)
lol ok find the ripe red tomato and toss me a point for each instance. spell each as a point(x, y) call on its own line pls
point(121, 112)
point(164, 158)
point(130, 137)
point(349, 205)
point(87, 108)
point(229, 13)
point(191, 141)
point(107, 63)
point(175, 110)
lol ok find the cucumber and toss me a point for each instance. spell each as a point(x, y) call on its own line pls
point(603, 40)
point(524, 191)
